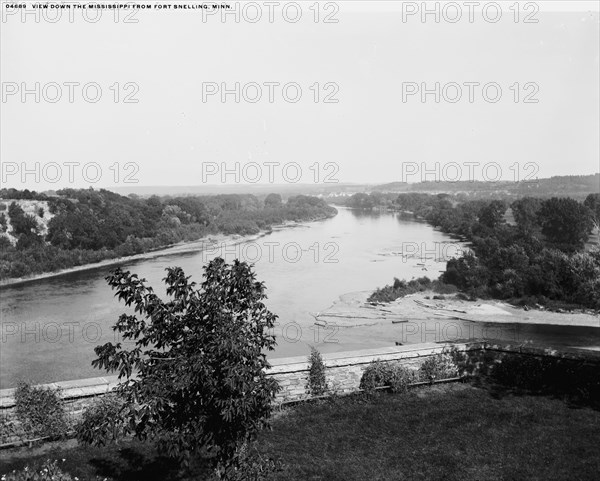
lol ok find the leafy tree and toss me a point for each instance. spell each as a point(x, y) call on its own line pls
point(21, 223)
point(199, 361)
point(273, 200)
point(565, 222)
point(361, 201)
point(592, 202)
point(466, 272)
point(492, 214)
point(525, 211)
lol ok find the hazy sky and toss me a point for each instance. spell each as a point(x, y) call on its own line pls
point(368, 59)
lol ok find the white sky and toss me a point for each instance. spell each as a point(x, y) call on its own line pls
point(371, 134)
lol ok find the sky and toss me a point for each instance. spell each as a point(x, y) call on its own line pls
point(98, 98)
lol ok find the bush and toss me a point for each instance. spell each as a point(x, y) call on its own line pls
point(101, 421)
point(442, 288)
point(8, 430)
point(383, 374)
point(317, 383)
point(40, 411)
point(401, 378)
point(403, 288)
point(440, 366)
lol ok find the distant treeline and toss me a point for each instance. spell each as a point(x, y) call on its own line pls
point(92, 225)
point(537, 258)
point(576, 186)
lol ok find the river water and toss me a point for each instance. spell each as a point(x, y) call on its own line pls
point(50, 326)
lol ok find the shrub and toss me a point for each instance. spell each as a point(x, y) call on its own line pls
point(8, 430)
point(40, 411)
point(403, 288)
point(401, 378)
point(443, 288)
point(383, 374)
point(440, 366)
point(101, 421)
point(317, 383)
point(375, 375)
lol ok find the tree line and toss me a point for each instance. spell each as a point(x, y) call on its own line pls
point(530, 251)
point(90, 225)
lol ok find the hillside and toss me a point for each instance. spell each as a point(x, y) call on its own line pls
point(37, 209)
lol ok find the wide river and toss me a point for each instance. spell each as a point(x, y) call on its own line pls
point(50, 326)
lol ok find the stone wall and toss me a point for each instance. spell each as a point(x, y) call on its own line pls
point(345, 369)
point(343, 372)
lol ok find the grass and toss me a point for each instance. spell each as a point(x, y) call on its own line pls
point(446, 432)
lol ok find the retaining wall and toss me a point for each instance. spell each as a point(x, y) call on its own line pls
point(343, 374)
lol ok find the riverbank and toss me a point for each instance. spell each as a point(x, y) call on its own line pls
point(353, 310)
point(198, 245)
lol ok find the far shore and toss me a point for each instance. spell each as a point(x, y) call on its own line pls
point(197, 245)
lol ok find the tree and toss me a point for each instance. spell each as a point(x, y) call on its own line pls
point(273, 200)
point(592, 202)
point(361, 201)
point(565, 222)
point(199, 361)
point(492, 214)
point(466, 273)
point(525, 212)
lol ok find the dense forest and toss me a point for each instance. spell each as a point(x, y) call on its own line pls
point(529, 251)
point(41, 233)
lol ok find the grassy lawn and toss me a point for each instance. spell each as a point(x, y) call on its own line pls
point(447, 432)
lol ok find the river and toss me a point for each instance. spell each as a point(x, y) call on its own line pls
point(50, 326)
